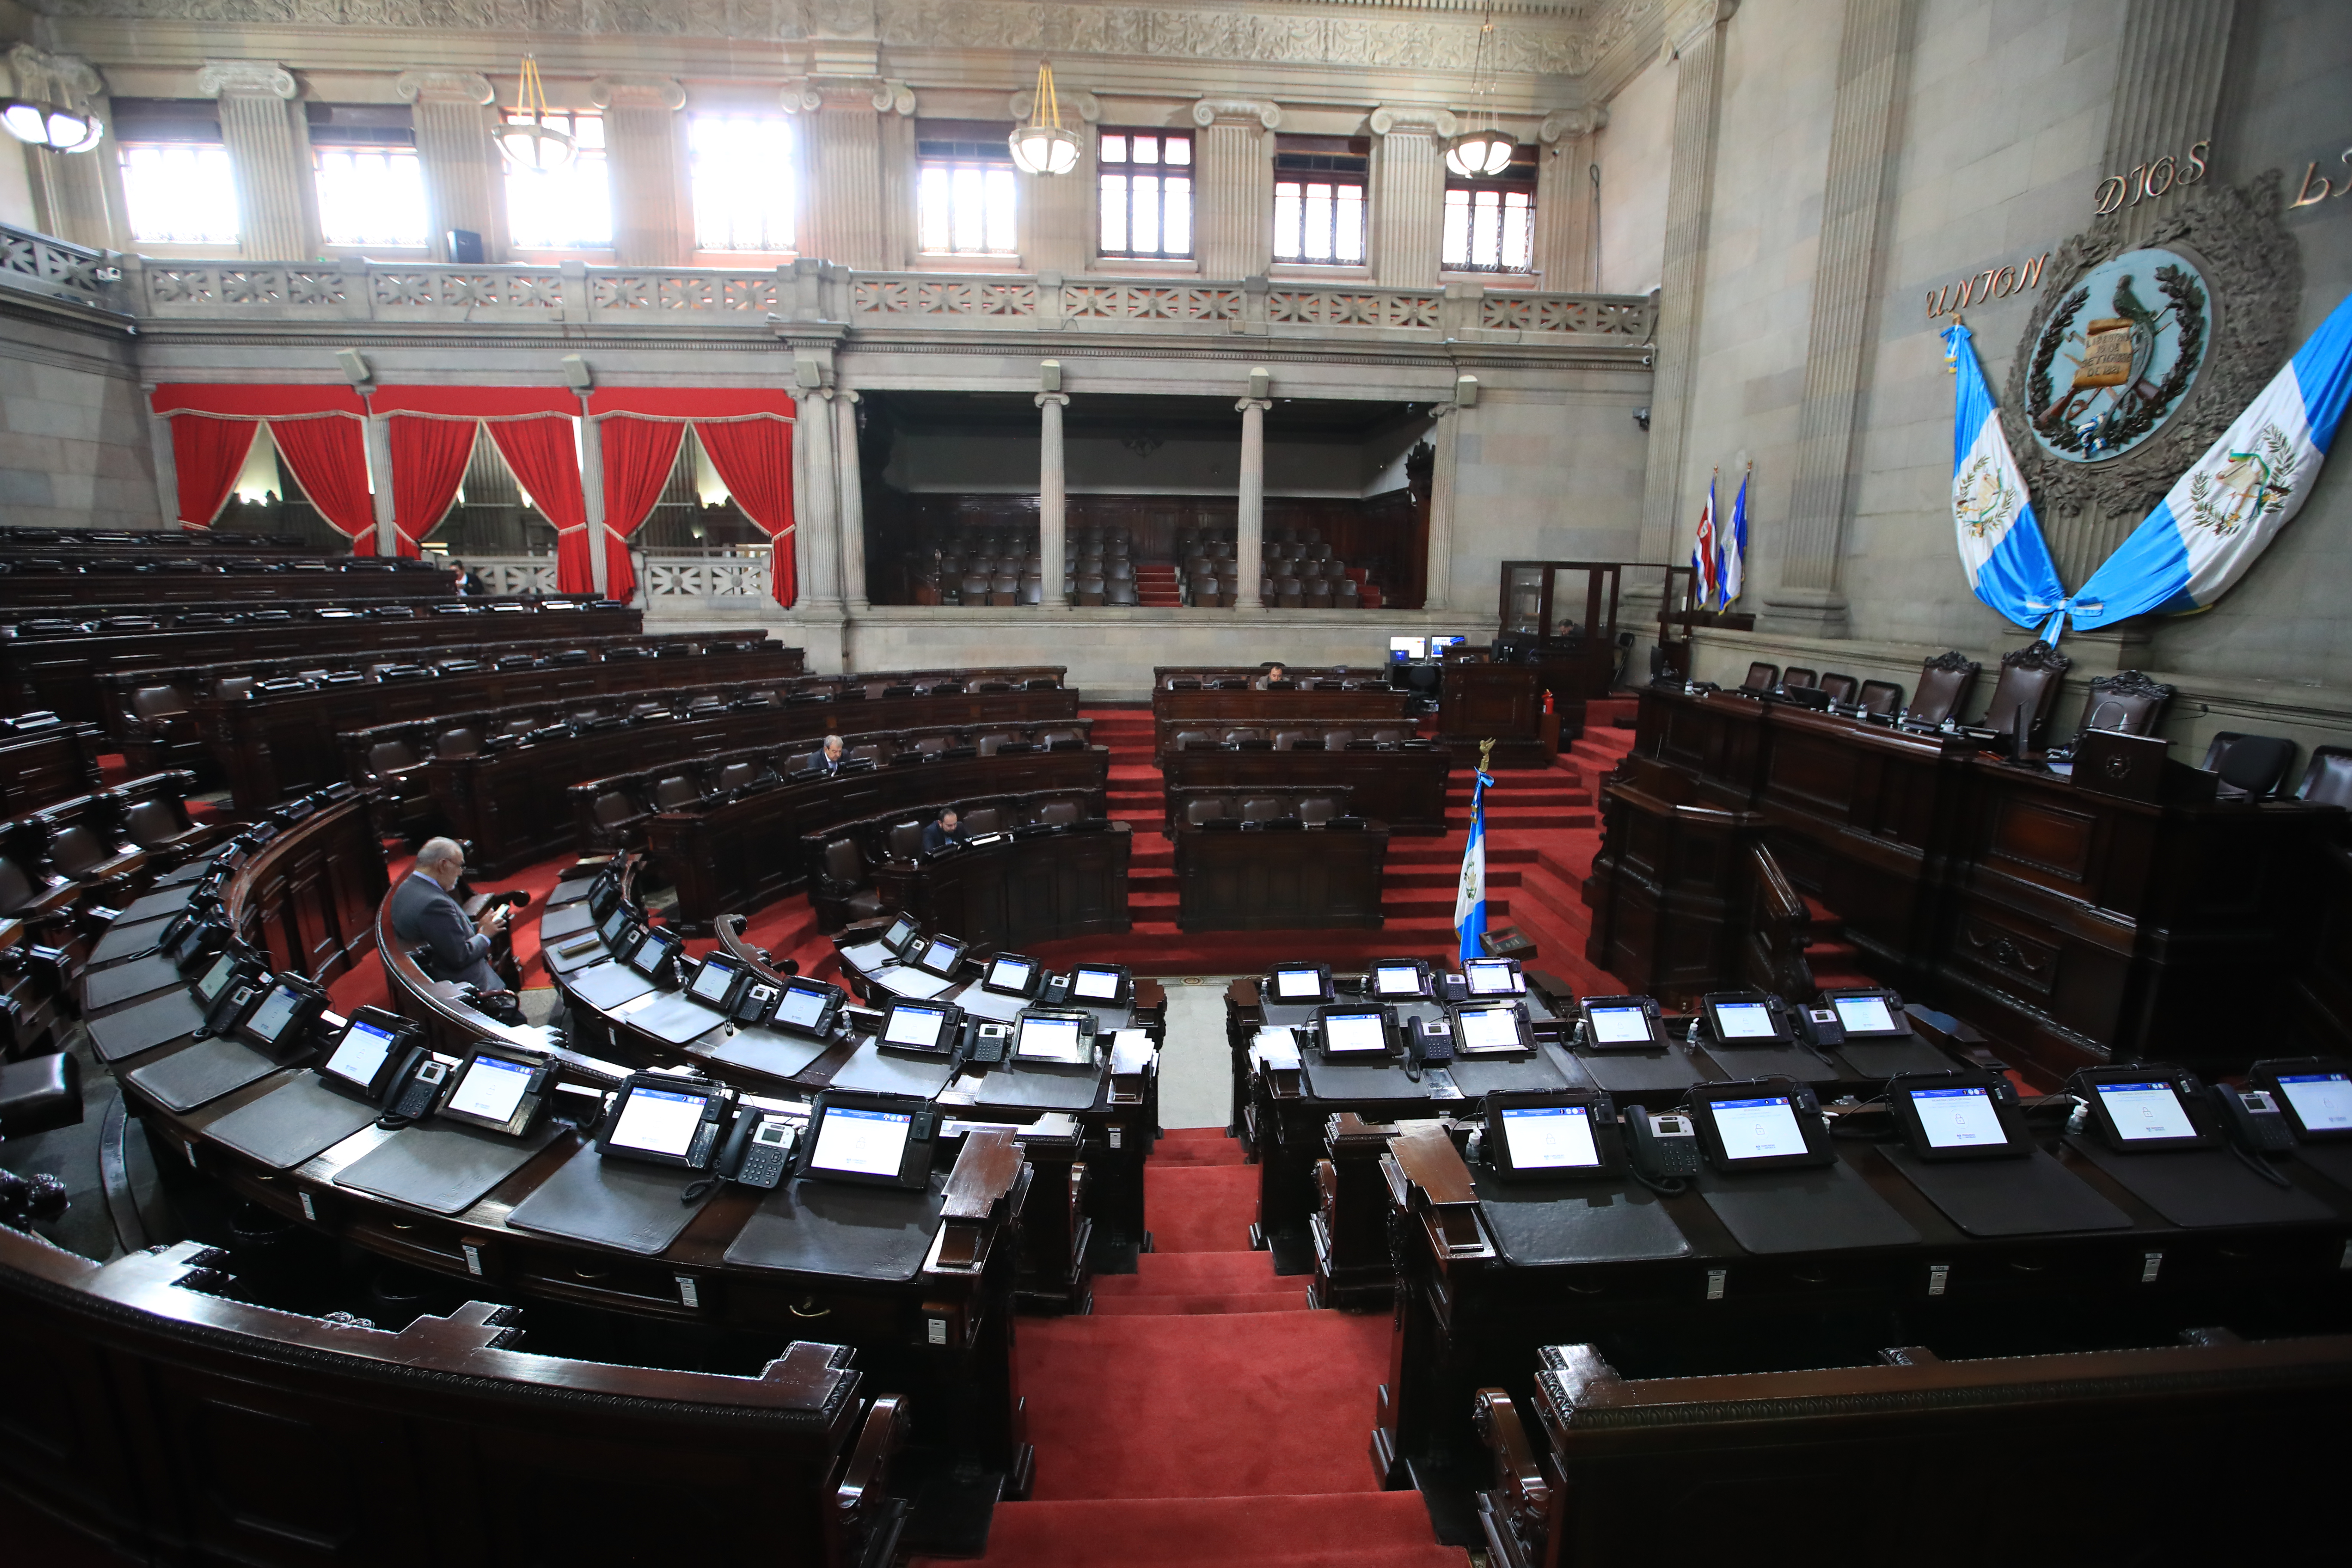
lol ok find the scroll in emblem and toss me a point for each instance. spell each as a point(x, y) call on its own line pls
point(2106, 353)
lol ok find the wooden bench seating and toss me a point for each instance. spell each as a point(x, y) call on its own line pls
point(851, 864)
point(133, 580)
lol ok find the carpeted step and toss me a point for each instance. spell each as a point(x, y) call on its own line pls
point(1255, 1404)
point(1286, 1298)
point(1353, 1530)
point(1222, 1150)
point(1192, 1274)
point(1202, 1209)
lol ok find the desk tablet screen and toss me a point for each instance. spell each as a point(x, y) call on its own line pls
point(1010, 975)
point(861, 1142)
point(2144, 1110)
point(656, 946)
point(1094, 985)
point(800, 1007)
point(1051, 1040)
point(2322, 1099)
point(359, 1056)
point(660, 1121)
point(1746, 1021)
point(712, 980)
point(1297, 985)
point(1396, 980)
point(1489, 1029)
point(209, 988)
point(1619, 1027)
point(616, 926)
point(916, 1027)
point(493, 1086)
point(1865, 1015)
point(901, 931)
point(1345, 1033)
point(1758, 1128)
point(1549, 1138)
point(269, 1019)
point(1958, 1119)
point(943, 956)
point(1491, 977)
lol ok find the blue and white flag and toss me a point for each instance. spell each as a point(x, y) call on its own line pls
point(2225, 511)
point(1470, 897)
point(1733, 574)
point(2009, 566)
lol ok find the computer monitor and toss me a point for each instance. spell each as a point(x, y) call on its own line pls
point(808, 1007)
point(1955, 1116)
point(1010, 974)
point(903, 933)
point(1055, 1038)
point(1403, 649)
point(1759, 1124)
point(500, 1089)
point(1746, 1018)
point(1438, 645)
point(615, 927)
point(1548, 1133)
point(878, 1140)
point(939, 957)
point(1360, 1033)
point(367, 1054)
point(1099, 985)
point(665, 1120)
point(1400, 979)
point(1491, 1030)
point(1494, 977)
point(1622, 1024)
point(215, 979)
point(2143, 1108)
point(718, 980)
point(1301, 984)
point(280, 1013)
point(2315, 1091)
point(1869, 1015)
point(928, 1026)
point(657, 948)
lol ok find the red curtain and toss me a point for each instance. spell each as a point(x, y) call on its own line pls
point(754, 458)
point(329, 457)
point(639, 457)
point(546, 461)
point(208, 452)
point(428, 464)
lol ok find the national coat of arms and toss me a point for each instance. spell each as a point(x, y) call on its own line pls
point(2242, 488)
point(1983, 499)
point(2118, 353)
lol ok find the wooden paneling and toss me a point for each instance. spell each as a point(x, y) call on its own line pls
point(1279, 881)
point(309, 896)
point(1001, 897)
point(1405, 788)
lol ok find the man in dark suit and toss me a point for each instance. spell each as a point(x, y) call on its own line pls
point(828, 761)
point(1274, 672)
point(424, 915)
point(944, 834)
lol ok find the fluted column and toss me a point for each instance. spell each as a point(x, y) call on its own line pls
point(1438, 572)
point(842, 217)
point(1873, 56)
point(1249, 511)
point(653, 207)
point(1408, 194)
point(2170, 64)
point(465, 183)
point(379, 462)
point(268, 148)
point(1564, 199)
point(1697, 33)
point(850, 499)
point(815, 509)
point(1053, 500)
point(1232, 190)
point(592, 499)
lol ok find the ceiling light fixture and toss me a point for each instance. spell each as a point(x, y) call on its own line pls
point(1485, 150)
point(1043, 146)
point(59, 128)
point(532, 143)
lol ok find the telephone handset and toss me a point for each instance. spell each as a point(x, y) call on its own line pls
point(416, 1099)
point(758, 1003)
point(2252, 1118)
point(1664, 1147)
point(759, 1151)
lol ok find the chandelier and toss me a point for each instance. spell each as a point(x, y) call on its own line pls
point(1484, 151)
point(532, 143)
point(59, 128)
point(1043, 146)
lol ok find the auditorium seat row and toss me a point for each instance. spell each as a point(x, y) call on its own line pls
point(843, 860)
point(1304, 738)
point(1240, 677)
point(30, 582)
point(1194, 808)
point(83, 542)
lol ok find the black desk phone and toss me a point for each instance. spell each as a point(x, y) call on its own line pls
point(989, 1041)
point(414, 1100)
point(761, 1149)
point(2253, 1118)
point(2315, 1093)
point(1664, 1147)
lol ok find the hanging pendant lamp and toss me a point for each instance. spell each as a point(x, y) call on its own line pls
point(1043, 146)
point(532, 143)
point(1485, 150)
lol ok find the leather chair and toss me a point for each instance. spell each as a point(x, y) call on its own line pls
point(1259, 808)
point(974, 588)
point(1796, 680)
point(1945, 682)
point(462, 741)
point(2029, 677)
point(1318, 593)
point(2126, 702)
point(841, 892)
point(25, 897)
point(675, 791)
point(983, 819)
point(874, 752)
point(1881, 697)
point(736, 776)
point(613, 811)
point(1033, 589)
point(1204, 809)
point(1315, 808)
point(1055, 814)
point(159, 825)
point(1288, 594)
point(1337, 740)
point(1287, 740)
point(1761, 677)
point(905, 840)
point(2251, 766)
point(1838, 688)
point(1119, 566)
point(1346, 595)
point(1059, 738)
point(39, 1094)
point(1241, 737)
point(1186, 740)
point(933, 745)
point(80, 845)
point(2329, 780)
point(1120, 591)
point(1089, 589)
point(996, 741)
point(1388, 737)
point(163, 720)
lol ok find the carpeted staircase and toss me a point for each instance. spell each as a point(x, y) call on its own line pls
point(1156, 584)
point(1203, 1415)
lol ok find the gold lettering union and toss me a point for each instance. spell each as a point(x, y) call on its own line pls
point(1992, 283)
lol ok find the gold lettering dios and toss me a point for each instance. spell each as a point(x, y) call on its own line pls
point(2148, 180)
point(1992, 283)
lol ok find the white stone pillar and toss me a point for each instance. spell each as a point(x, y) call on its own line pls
point(167, 462)
point(592, 502)
point(815, 509)
point(465, 179)
point(1564, 202)
point(1249, 512)
point(851, 491)
point(1437, 579)
point(841, 217)
point(379, 461)
point(1690, 177)
point(1408, 194)
point(268, 148)
point(653, 206)
point(1232, 187)
point(1052, 501)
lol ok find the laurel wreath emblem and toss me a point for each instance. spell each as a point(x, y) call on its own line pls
point(2274, 467)
point(1982, 500)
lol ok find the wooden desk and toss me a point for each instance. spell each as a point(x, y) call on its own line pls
point(1002, 896)
point(1372, 707)
point(1315, 877)
point(1405, 788)
point(1498, 703)
point(41, 766)
point(116, 583)
point(178, 1424)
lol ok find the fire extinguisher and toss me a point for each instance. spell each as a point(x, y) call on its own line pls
point(1546, 700)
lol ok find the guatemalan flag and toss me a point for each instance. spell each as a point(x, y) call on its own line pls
point(2001, 549)
point(2205, 534)
point(1470, 897)
point(1733, 574)
point(1703, 561)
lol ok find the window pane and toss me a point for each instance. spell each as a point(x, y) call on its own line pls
point(1114, 212)
point(1147, 212)
point(1180, 150)
point(1486, 209)
point(1517, 235)
point(1002, 239)
point(1350, 225)
point(1113, 149)
point(742, 182)
point(183, 195)
point(1454, 244)
point(1176, 230)
point(1147, 149)
point(569, 207)
point(936, 235)
point(1288, 219)
point(970, 212)
point(371, 195)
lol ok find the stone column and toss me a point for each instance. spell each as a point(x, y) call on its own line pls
point(167, 462)
point(1874, 64)
point(816, 511)
point(1249, 513)
point(841, 217)
point(591, 501)
point(1690, 176)
point(465, 179)
point(1444, 465)
point(269, 147)
point(2170, 63)
point(1052, 499)
point(379, 461)
point(1058, 211)
point(1232, 186)
point(1564, 199)
point(1408, 194)
point(851, 491)
point(653, 203)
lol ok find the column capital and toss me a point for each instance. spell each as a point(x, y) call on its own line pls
point(69, 76)
point(847, 395)
point(1247, 404)
point(1684, 29)
point(1211, 111)
point(1561, 123)
point(1059, 399)
point(446, 86)
point(1085, 104)
point(1413, 120)
point(247, 79)
point(637, 92)
point(811, 94)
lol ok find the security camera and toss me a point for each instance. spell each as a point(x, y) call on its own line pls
point(1642, 417)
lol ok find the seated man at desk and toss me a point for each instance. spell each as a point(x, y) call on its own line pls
point(828, 759)
point(944, 834)
point(1273, 673)
point(426, 918)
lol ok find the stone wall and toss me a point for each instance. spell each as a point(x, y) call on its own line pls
point(74, 450)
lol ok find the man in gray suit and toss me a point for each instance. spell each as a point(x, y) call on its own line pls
point(423, 914)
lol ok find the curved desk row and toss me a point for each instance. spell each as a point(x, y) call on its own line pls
point(1403, 782)
point(1232, 874)
point(176, 1424)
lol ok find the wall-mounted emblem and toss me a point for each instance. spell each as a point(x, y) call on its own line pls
point(2117, 353)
